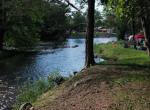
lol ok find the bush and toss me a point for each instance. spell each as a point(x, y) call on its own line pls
point(55, 79)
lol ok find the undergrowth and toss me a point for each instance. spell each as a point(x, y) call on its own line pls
point(31, 90)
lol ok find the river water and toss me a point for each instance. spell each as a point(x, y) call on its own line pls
point(65, 59)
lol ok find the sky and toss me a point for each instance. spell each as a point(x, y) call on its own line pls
point(100, 8)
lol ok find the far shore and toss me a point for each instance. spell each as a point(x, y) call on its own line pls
point(97, 35)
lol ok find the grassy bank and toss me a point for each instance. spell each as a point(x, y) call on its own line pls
point(97, 34)
point(121, 83)
point(31, 90)
point(115, 53)
point(101, 87)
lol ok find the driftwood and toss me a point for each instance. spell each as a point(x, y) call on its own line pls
point(26, 106)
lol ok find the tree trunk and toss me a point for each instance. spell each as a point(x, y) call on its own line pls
point(1, 38)
point(90, 34)
point(121, 34)
point(2, 23)
point(146, 30)
point(133, 32)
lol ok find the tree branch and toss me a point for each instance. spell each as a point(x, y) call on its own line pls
point(69, 4)
point(72, 5)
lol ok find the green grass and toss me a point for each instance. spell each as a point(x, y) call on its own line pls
point(131, 94)
point(117, 54)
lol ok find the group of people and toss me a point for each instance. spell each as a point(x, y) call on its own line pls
point(138, 41)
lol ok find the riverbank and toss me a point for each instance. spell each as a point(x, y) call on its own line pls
point(26, 66)
point(115, 53)
point(42, 47)
point(6, 54)
point(97, 34)
point(120, 83)
point(102, 87)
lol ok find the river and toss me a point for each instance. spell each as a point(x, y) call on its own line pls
point(22, 67)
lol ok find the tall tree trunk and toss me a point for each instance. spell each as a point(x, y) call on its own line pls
point(146, 29)
point(1, 38)
point(2, 23)
point(133, 31)
point(90, 34)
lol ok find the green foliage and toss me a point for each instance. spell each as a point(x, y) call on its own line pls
point(55, 22)
point(128, 12)
point(98, 19)
point(30, 91)
point(119, 23)
point(16, 38)
point(79, 22)
point(25, 20)
point(55, 79)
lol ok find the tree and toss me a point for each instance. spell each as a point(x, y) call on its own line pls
point(19, 22)
point(89, 57)
point(55, 22)
point(145, 20)
point(90, 34)
point(133, 10)
point(113, 19)
point(24, 17)
point(2, 22)
point(78, 21)
point(98, 18)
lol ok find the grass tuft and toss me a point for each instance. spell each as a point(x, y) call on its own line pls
point(31, 90)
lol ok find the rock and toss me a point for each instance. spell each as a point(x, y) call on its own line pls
point(32, 108)
point(75, 72)
point(95, 56)
point(75, 46)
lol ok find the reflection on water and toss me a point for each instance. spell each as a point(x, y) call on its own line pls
point(65, 60)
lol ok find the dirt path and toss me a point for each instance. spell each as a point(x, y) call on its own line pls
point(101, 88)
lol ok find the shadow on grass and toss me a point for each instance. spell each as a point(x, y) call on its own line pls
point(122, 73)
point(132, 62)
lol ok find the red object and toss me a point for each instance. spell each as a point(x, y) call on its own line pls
point(139, 36)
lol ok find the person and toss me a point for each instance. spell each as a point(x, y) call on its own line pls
point(129, 41)
point(130, 38)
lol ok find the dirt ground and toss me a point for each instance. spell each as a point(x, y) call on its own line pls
point(101, 87)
